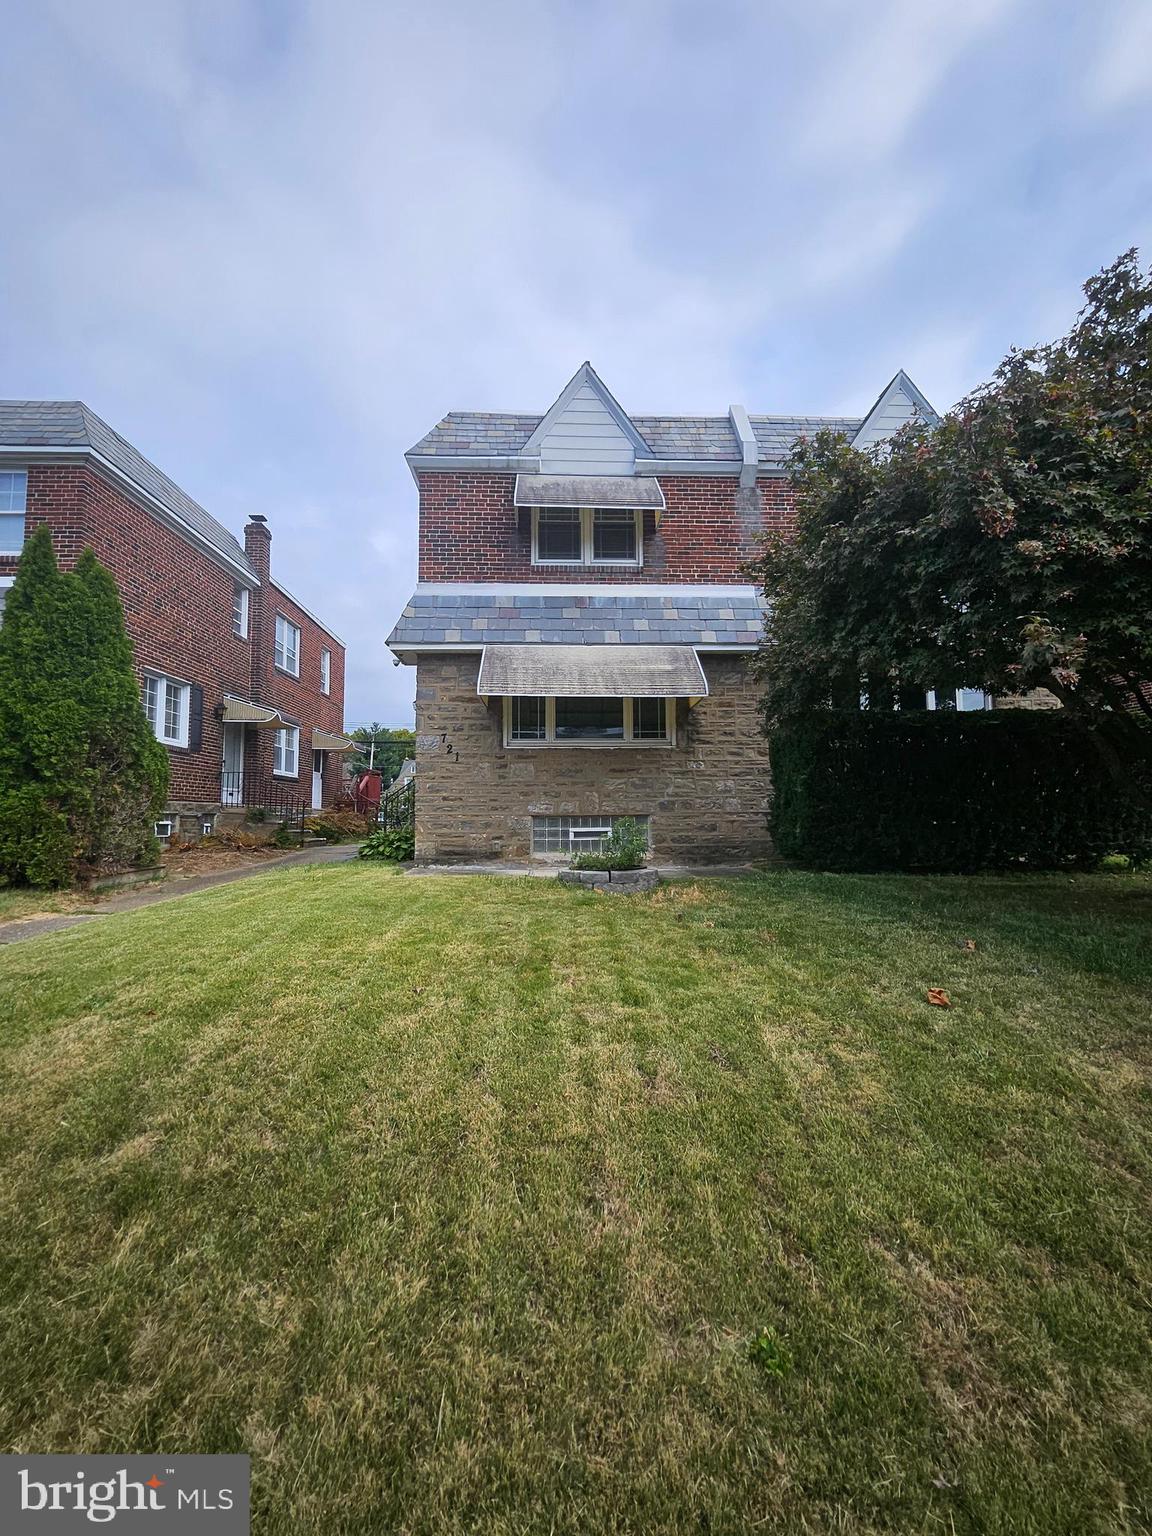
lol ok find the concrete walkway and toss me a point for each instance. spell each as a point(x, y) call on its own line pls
point(169, 890)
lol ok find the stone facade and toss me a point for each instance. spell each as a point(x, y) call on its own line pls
point(706, 797)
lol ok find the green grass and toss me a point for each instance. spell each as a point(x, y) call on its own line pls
point(498, 1206)
point(18, 902)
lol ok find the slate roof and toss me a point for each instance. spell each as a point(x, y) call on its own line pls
point(71, 424)
point(667, 616)
point(710, 438)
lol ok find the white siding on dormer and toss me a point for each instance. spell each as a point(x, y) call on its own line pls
point(894, 410)
point(586, 440)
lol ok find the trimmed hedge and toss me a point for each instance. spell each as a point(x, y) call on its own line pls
point(949, 792)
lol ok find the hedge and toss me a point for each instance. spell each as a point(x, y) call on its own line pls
point(949, 792)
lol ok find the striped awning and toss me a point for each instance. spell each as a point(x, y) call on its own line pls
point(592, 672)
point(330, 741)
point(244, 712)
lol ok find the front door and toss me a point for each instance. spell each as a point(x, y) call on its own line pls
point(232, 777)
point(317, 780)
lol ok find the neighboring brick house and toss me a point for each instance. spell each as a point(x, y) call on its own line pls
point(242, 684)
point(582, 624)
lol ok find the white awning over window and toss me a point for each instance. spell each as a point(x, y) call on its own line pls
point(592, 672)
point(629, 492)
point(242, 712)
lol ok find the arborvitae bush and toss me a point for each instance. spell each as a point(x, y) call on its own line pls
point(82, 777)
point(913, 790)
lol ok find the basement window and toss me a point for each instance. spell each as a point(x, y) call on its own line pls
point(592, 722)
point(576, 834)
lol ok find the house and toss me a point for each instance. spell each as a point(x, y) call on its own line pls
point(241, 683)
point(582, 624)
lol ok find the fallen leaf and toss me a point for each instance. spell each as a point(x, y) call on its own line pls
point(769, 938)
point(939, 998)
point(967, 945)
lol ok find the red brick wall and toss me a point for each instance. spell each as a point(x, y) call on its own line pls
point(178, 609)
point(471, 531)
point(299, 698)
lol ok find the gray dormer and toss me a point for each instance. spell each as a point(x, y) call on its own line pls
point(586, 432)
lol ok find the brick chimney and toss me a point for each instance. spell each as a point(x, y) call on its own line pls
point(258, 548)
point(258, 544)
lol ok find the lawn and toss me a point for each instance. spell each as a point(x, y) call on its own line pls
point(495, 1206)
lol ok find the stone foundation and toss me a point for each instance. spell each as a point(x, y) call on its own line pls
point(706, 797)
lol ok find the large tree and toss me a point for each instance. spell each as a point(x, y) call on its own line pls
point(81, 775)
point(1008, 547)
point(382, 747)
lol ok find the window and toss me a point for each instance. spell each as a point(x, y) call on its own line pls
point(5, 583)
point(13, 504)
point(166, 705)
point(240, 600)
point(548, 722)
point(162, 829)
point(585, 536)
point(575, 834)
point(286, 752)
point(287, 645)
point(325, 671)
point(963, 700)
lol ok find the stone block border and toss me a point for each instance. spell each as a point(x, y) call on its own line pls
point(616, 882)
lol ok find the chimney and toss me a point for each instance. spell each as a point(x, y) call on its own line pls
point(258, 544)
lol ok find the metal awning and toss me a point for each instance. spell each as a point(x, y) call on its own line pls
point(592, 671)
point(330, 741)
point(634, 492)
point(244, 712)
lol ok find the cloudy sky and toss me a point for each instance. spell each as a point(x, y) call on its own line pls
point(273, 241)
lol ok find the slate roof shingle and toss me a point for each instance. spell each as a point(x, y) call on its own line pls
point(686, 616)
point(479, 434)
point(71, 424)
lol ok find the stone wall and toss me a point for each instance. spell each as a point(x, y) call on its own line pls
point(706, 797)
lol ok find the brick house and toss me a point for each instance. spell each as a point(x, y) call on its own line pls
point(582, 626)
point(242, 684)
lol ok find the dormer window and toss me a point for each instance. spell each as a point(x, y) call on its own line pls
point(586, 536)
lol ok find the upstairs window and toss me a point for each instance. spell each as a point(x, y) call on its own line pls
point(325, 671)
point(586, 536)
point(572, 722)
point(963, 700)
point(166, 705)
point(240, 600)
point(287, 646)
point(13, 505)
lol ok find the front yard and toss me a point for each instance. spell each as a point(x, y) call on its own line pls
point(458, 1203)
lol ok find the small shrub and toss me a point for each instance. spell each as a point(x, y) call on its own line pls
point(1112, 863)
point(396, 844)
point(626, 847)
point(769, 1353)
point(339, 826)
point(256, 814)
point(285, 836)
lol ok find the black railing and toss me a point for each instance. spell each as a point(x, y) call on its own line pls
point(265, 800)
point(398, 809)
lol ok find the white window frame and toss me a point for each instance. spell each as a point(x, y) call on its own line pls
point(287, 735)
point(550, 743)
point(587, 523)
point(930, 700)
point(281, 651)
point(13, 488)
point(159, 721)
point(5, 588)
point(325, 670)
point(242, 597)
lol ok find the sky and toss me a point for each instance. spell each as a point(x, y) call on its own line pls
point(273, 242)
